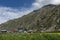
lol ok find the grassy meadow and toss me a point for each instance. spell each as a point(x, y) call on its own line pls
point(30, 36)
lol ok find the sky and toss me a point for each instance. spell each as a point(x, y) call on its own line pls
point(12, 9)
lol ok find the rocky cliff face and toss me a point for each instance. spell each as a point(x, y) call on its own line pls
point(46, 19)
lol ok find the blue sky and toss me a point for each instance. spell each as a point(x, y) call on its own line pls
point(16, 3)
point(12, 9)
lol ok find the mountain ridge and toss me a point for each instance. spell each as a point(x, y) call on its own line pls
point(45, 19)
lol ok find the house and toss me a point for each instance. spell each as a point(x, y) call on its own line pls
point(20, 30)
point(3, 31)
point(15, 30)
point(30, 31)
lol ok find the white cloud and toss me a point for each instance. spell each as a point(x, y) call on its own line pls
point(57, 2)
point(40, 3)
point(35, 4)
point(7, 13)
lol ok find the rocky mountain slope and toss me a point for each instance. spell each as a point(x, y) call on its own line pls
point(45, 19)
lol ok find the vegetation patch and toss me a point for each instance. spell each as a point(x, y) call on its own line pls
point(30, 36)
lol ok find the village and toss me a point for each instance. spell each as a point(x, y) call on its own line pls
point(19, 30)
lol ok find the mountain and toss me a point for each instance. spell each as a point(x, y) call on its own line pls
point(45, 19)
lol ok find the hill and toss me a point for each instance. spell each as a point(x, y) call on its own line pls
point(45, 19)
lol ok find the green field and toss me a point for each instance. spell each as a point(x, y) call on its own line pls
point(30, 36)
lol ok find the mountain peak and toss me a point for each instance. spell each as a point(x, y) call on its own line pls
point(50, 5)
